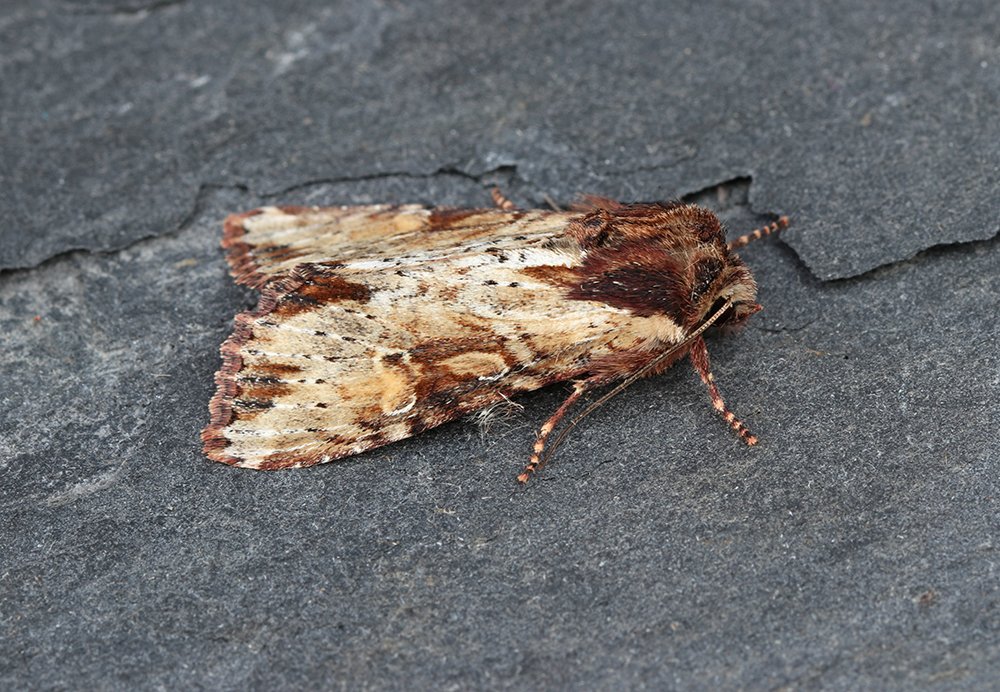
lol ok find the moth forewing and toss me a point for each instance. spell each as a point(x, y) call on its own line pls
point(376, 323)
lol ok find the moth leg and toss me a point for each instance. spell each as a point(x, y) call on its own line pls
point(536, 457)
point(699, 359)
point(758, 233)
point(501, 201)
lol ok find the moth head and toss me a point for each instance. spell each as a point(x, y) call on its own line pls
point(723, 284)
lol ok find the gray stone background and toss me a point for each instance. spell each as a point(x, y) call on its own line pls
point(855, 547)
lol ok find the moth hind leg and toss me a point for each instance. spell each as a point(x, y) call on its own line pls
point(699, 359)
point(501, 201)
point(535, 463)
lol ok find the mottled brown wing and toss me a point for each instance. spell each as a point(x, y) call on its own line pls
point(387, 338)
point(271, 241)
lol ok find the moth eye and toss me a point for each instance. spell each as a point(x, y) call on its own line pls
point(705, 272)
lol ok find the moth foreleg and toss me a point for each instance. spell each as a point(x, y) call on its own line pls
point(535, 462)
point(699, 359)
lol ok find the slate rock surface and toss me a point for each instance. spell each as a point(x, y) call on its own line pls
point(855, 547)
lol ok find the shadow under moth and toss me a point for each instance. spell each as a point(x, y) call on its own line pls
point(378, 322)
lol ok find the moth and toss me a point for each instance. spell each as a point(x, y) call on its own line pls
point(376, 323)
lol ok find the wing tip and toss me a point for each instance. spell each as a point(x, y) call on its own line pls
point(216, 445)
point(239, 253)
point(215, 442)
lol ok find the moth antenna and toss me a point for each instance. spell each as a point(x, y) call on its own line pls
point(551, 202)
point(758, 233)
point(700, 361)
point(501, 201)
point(538, 461)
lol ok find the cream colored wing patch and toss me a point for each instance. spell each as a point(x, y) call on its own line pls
point(271, 241)
point(377, 345)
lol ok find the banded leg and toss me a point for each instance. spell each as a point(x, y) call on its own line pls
point(501, 201)
point(759, 233)
point(699, 359)
point(535, 463)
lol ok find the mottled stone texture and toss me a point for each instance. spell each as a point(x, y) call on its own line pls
point(856, 547)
